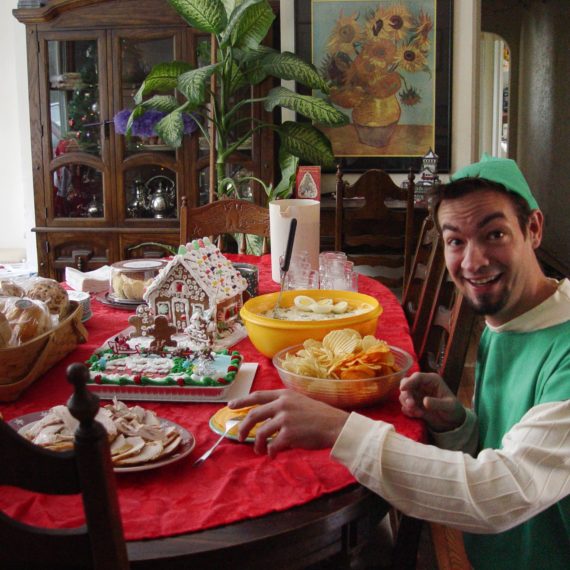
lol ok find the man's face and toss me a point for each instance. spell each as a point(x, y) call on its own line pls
point(488, 256)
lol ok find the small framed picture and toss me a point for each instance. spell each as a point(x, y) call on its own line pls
point(308, 183)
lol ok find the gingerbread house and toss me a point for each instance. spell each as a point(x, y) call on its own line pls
point(201, 278)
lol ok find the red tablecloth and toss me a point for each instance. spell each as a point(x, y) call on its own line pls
point(234, 484)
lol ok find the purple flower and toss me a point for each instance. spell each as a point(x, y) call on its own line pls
point(143, 126)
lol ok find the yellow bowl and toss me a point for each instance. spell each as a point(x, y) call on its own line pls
point(271, 335)
point(344, 393)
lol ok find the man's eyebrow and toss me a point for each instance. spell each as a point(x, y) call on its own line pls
point(490, 218)
point(481, 224)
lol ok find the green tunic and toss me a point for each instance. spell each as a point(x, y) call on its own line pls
point(532, 368)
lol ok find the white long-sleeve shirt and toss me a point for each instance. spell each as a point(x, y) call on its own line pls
point(495, 491)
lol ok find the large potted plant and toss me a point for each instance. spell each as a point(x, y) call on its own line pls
point(238, 28)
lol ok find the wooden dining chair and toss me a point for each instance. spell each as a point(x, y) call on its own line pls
point(445, 343)
point(86, 470)
point(441, 326)
point(374, 224)
point(225, 217)
point(426, 270)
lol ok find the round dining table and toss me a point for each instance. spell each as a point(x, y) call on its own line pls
point(237, 509)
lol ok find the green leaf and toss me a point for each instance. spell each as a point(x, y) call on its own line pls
point(313, 107)
point(253, 244)
point(162, 78)
point(165, 103)
point(204, 15)
point(287, 65)
point(229, 5)
point(249, 23)
point(235, 79)
point(288, 165)
point(171, 129)
point(135, 114)
point(194, 84)
point(251, 60)
point(306, 142)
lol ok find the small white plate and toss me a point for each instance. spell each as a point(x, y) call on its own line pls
point(185, 448)
point(214, 426)
point(231, 436)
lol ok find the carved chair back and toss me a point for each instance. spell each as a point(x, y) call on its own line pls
point(222, 217)
point(426, 270)
point(86, 470)
point(374, 224)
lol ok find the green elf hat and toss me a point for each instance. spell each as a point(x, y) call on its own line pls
point(502, 170)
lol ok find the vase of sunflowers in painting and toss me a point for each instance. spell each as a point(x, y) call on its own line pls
point(371, 58)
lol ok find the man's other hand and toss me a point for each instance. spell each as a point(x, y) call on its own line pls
point(427, 396)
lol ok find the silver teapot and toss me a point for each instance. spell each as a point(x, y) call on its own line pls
point(162, 200)
point(140, 203)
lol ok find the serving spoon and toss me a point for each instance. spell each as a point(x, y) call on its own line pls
point(285, 265)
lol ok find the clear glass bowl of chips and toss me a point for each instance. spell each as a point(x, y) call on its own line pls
point(346, 392)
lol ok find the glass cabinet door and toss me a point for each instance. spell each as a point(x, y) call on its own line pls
point(149, 172)
point(76, 129)
point(137, 57)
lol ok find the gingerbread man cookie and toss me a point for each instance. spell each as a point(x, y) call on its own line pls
point(162, 332)
point(142, 321)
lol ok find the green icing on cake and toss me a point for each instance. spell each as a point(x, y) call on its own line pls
point(110, 368)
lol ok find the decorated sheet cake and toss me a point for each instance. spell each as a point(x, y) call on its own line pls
point(168, 375)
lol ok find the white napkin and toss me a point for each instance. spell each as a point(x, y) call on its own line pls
point(90, 281)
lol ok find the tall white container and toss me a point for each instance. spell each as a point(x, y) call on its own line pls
point(307, 238)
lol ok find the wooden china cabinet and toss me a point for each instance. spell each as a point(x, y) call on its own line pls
point(100, 198)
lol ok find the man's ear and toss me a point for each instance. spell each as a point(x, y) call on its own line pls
point(535, 225)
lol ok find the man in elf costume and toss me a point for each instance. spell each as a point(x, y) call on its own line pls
point(500, 472)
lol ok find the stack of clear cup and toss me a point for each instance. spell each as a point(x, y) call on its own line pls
point(301, 275)
point(336, 272)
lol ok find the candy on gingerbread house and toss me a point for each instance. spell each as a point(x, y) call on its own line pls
point(201, 278)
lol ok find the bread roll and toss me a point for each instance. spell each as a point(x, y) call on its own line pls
point(10, 289)
point(50, 292)
point(27, 319)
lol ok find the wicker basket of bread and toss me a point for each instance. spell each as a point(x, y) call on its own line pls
point(38, 327)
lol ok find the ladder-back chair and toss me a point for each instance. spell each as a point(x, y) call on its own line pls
point(223, 217)
point(445, 343)
point(441, 323)
point(443, 351)
point(86, 470)
point(425, 273)
point(374, 224)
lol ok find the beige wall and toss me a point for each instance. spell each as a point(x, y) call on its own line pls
point(16, 199)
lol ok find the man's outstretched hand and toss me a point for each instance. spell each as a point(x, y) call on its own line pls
point(427, 396)
point(297, 421)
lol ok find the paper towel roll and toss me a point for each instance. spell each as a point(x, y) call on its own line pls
point(307, 238)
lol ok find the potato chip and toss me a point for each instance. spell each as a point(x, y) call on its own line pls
point(342, 342)
point(305, 365)
point(369, 341)
point(358, 372)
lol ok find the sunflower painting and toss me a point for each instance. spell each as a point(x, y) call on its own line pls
point(379, 58)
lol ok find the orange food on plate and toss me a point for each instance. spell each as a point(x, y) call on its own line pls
point(220, 418)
